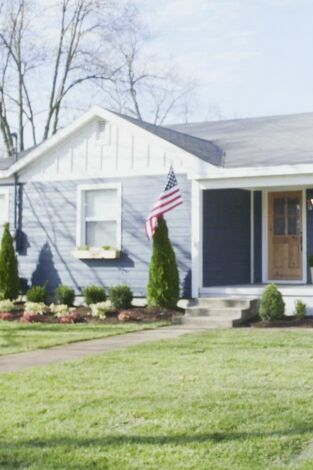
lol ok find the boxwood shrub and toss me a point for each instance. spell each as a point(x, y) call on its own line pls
point(65, 295)
point(272, 305)
point(94, 294)
point(37, 294)
point(121, 297)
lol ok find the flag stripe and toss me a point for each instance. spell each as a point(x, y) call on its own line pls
point(168, 200)
point(164, 196)
point(166, 203)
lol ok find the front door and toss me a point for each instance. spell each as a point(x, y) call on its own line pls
point(285, 236)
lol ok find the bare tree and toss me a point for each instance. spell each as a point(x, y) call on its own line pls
point(45, 55)
point(141, 89)
point(69, 62)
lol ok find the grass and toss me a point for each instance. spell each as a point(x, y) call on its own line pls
point(238, 399)
point(17, 337)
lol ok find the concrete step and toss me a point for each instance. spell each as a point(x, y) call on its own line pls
point(203, 322)
point(227, 313)
point(220, 302)
point(221, 312)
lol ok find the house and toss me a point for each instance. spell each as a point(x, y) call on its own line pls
point(247, 216)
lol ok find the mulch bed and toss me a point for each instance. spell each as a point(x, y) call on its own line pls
point(285, 323)
point(147, 314)
point(82, 314)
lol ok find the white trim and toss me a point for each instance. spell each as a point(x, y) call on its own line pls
point(80, 237)
point(265, 194)
point(299, 290)
point(264, 236)
point(252, 236)
point(294, 180)
point(196, 238)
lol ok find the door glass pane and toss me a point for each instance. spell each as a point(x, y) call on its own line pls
point(279, 225)
point(100, 234)
point(294, 218)
point(279, 207)
point(293, 207)
point(101, 204)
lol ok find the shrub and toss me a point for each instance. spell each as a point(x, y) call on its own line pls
point(121, 297)
point(35, 308)
point(94, 294)
point(163, 285)
point(37, 294)
point(9, 280)
point(99, 310)
point(300, 309)
point(65, 295)
point(6, 305)
point(272, 304)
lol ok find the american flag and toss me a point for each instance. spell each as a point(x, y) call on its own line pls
point(169, 199)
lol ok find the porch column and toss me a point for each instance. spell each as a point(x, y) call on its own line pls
point(196, 238)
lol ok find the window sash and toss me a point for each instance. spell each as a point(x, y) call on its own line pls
point(114, 217)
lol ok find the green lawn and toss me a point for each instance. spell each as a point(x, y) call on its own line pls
point(221, 400)
point(18, 337)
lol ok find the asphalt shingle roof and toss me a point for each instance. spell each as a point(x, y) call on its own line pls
point(265, 141)
point(201, 148)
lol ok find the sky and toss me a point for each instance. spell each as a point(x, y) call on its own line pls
point(247, 57)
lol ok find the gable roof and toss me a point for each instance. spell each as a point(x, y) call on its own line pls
point(257, 142)
point(252, 142)
point(201, 148)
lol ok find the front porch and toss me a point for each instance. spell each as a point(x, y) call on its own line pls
point(290, 292)
point(246, 238)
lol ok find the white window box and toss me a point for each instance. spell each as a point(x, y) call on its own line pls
point(96, 253)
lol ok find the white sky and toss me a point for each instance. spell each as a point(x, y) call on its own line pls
point(248, 57)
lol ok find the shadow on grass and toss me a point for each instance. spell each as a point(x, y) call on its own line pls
point(175, 439)
point(26, 453)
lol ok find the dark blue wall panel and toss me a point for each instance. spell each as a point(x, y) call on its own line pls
point(226, 237)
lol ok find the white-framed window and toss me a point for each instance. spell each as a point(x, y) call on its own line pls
point(4, 208)
point(99, 210)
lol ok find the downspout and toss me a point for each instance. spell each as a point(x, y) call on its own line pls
point(16, 198)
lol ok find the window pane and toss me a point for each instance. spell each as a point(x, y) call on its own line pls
point(101, 204)
point(101, 234)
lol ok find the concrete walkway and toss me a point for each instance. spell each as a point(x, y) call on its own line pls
point(82, 349)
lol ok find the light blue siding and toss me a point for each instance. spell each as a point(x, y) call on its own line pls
point(48, 235)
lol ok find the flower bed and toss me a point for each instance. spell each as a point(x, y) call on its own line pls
point(95, 313)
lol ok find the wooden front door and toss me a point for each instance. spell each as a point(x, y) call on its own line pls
point(285, 236)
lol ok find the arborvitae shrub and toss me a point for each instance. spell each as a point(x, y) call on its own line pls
point(94, 294)
point(9, 280)
point(65, 295)
point(163, 285)
point(272, 305)
point(37, 294)
point(121, 297)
